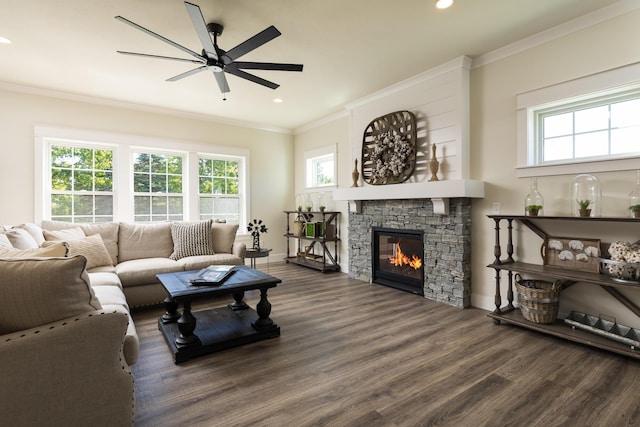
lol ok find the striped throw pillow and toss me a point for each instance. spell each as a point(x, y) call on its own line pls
point(191, 239)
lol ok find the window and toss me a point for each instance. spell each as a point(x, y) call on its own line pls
point(320, 167)
point(86, 176)
point(157, 187)
point(219, 189)
point(598, 128)
point(591, 123)
point(81, 183)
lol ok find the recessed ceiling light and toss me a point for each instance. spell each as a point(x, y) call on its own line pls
point(4, 40)
point(443, 4)
point(277, 100)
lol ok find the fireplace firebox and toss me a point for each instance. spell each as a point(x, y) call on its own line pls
point(398, 258)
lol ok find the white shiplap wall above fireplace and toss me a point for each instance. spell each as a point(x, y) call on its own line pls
point(440, 100)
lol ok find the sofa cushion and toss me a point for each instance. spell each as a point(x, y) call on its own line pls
point(108, 231)
point(109, 295)
point(190, 239)
point(222, 236)
point(55, 249)
point(21, 239)
point(143, 271)
point(202, 261)
point(62, 235)
point(38, 291)
point(138, 241)
point(104, 279)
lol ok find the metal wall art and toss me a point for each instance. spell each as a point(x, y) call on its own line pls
point(389, 149)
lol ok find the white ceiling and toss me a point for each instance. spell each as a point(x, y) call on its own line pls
point(349, 48)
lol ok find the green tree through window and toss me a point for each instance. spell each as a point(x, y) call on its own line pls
point(81, 184)
point(157, 187)
point(219, 189)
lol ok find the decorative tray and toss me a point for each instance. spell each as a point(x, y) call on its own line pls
point(606, 328)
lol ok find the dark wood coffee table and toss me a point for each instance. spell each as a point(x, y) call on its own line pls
point(218, 328)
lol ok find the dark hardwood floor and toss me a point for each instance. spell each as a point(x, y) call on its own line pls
point(355, 354)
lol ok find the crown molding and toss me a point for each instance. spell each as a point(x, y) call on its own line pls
point(602, 15)
point(67, 96)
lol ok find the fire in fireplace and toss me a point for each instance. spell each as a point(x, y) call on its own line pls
point(398, 258)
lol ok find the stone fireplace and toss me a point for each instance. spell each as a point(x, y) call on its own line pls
point(447, 243)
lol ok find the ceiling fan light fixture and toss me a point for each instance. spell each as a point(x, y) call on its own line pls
point(443, 4)
point(278, 100)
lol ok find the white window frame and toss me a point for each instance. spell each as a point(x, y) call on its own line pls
point(579, 90)
point(242, 183)
point(311, 160)
point(124, 146)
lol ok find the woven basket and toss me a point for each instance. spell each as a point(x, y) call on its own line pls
point(539, 300)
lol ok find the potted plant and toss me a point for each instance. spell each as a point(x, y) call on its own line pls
point(583, 207)
point(635, 210)
point(533, 210)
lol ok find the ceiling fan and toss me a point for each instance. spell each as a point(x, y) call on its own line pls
point(216, 59)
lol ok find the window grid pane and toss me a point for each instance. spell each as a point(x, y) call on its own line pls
point(157, 183)
point(81, 185)
point(593, 129)
point(219, 189)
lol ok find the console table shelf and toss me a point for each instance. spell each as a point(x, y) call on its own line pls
point(510, 314)
point(563, 330)
point(319, 251)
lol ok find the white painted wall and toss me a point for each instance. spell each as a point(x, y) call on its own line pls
point(271, 153)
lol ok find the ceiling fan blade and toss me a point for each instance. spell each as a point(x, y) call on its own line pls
point(187, 74)
point(254, 42)
point(222, 81)
point(267, 66)
point(201, 29)
point(251, 77)
point(159, 37)
point(160, 57)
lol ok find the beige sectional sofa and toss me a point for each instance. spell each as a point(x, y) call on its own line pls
point(71, 287)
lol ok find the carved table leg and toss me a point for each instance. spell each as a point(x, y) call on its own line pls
point(186, 326)
point(238, 303)
point(264, 310)
point(497, 252)
point(171, 314)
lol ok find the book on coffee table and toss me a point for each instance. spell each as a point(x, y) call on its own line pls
point(212, 275)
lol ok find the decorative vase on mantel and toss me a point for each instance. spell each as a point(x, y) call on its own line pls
point(434, 164)
point(355, 175)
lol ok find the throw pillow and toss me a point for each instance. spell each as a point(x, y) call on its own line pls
point(34, 230)
point(55, 249)
point(92, 248)
point(223, 236)
point(67, 234)
point(21, 239)
point(4, 241)
point(191, 239)
point(40, 291)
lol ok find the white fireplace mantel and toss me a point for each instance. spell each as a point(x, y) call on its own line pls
point(438, 191)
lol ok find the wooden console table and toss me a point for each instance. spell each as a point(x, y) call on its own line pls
point(508, 313)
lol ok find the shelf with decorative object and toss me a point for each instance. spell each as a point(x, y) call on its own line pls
point(312, 239)
point(510, 314)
